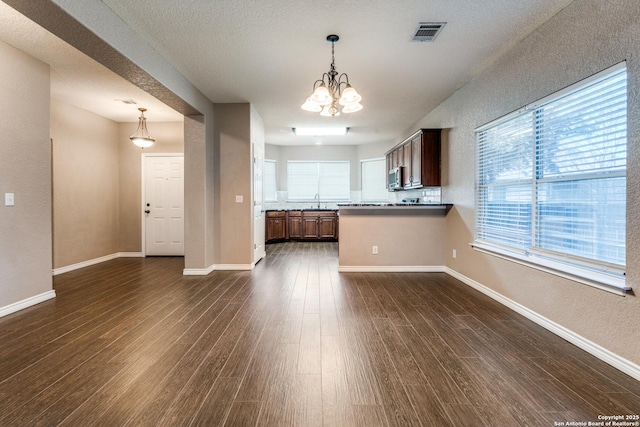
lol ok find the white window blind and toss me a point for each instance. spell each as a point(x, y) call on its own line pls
point(374, 180)
point(552, 179)
point(326, 180)
point(269, 181)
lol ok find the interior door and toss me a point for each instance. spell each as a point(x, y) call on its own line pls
point(258, 200)
point(164, 205)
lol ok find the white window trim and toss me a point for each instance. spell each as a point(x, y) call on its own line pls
point(610, 283)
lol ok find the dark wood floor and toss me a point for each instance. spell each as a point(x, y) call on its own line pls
point(133, 342)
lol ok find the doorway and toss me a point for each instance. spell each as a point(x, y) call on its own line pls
point(163, 204)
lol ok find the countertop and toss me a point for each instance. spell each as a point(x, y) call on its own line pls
point(303, 210)
point(427, 209)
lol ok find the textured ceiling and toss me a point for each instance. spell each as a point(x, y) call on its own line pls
point(270, 53)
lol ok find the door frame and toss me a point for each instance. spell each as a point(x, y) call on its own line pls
point(143, 194)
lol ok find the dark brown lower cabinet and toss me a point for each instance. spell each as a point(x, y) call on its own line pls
point(276, 224)
point(328, 226)
point(302, 225)
point(295, 225)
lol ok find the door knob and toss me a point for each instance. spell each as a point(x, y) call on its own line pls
point(147, 211)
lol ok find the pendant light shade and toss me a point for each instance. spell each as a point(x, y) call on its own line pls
point(352, 108)
point(141, 138)
point(350, 96)
point(311, 106)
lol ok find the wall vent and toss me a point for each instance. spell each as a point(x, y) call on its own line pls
point(428, 31)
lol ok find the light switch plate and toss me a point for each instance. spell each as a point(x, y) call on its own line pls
point(9, 199)
point(239, 199)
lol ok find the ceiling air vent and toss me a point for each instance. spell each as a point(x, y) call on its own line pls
point(428, 31)
point(126, 101)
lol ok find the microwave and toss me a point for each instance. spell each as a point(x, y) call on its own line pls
point(395, 178)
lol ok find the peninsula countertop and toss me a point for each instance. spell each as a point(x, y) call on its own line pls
point(395, 209)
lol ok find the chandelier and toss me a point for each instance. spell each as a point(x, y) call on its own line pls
point(328, 92)
point(141, 138)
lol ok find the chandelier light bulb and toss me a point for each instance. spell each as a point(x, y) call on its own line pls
point(352, 108)
point(350, 96)
point(309, 105)
point(321, 95)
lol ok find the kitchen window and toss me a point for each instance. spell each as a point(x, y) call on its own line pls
point(551, 183)
point(319, 180)
point(374, 180)
point(269, 181)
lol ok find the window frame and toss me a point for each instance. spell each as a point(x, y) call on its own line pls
point(603, 275)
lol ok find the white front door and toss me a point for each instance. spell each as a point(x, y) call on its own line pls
point(164, 205)
point(258, 196)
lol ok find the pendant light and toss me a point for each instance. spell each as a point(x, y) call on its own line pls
point(328, 92)
point(141, 138)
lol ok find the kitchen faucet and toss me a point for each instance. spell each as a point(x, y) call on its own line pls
point(317, 196)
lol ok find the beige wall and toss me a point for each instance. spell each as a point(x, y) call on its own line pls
point(584, 38)
point(402, 241)
point(25, 170)
point(85, 185)
point(233, 135)
point(169, 138)
point(198, 196)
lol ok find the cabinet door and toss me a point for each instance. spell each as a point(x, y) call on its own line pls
point(295, 227)
point(276, 229)
point(327, 227)
point(416, 161)
point(310, 227)
point(389, 168)
point(408, 167)
point(431, 158)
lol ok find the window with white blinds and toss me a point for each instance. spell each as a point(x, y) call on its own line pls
point(552, 180)
point(326, 180)
point(269, 181)
point(374, 180)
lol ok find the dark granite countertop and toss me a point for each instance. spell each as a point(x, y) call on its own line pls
point(427, 209)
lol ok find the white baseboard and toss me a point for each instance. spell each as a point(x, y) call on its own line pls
point(234, 267)
point(28, 302)
point(130, 254)
point(198, 271)
point(391, 269)
point(94, 261)
point(216, 267)
point(601, 353)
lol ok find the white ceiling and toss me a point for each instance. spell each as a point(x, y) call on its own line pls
point(269, 53)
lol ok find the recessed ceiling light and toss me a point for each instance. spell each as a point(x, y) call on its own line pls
point(325, 131)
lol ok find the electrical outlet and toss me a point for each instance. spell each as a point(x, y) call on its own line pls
point(9, 199)
point(239, 199)
point(454, 254)
point(374, 250)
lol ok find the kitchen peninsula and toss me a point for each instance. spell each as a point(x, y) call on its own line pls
point(392, 237)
